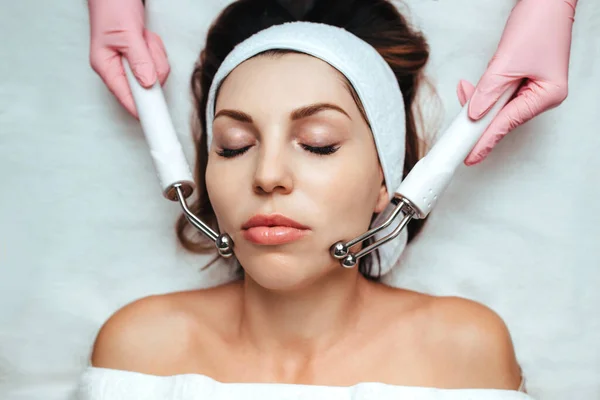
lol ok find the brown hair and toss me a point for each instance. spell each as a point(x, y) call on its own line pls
point(377, 22)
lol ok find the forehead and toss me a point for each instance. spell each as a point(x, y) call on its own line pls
point(288, 80)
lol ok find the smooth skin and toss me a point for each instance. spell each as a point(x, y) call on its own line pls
point(298, 317)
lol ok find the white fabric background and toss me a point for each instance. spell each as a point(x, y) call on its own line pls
point(84, 229)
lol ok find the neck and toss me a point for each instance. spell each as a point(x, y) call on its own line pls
point(305, 321)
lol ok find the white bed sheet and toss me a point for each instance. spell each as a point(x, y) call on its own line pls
point(84, 230)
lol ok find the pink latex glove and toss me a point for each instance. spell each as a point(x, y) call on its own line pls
point(117, 29)
point(535, 46)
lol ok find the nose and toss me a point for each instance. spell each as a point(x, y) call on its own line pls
point(273, 173)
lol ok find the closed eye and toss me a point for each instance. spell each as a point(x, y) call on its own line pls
point(319, 150)
point(322, 151)
point(230, 153)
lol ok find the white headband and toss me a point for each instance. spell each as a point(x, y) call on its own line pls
point(370, 76)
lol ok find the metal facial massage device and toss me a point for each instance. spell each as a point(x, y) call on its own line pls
point(414, 199)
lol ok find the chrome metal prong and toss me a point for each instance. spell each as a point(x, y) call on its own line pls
point(351, 259)
point(341, 251)
point(223, 241)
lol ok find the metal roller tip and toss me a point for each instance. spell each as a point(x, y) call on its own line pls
point(349, 261)
point(224, 245)
point(339, 250)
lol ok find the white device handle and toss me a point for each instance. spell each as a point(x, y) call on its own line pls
point(168, 157)
point(431, 175)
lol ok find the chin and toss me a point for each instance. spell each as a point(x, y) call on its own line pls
point(283, 272)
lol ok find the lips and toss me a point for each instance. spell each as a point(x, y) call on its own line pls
point(273, 229)
point(271, 221)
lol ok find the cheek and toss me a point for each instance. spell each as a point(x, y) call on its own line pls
point(221, 193)
point(345, 192)
point(361, 191)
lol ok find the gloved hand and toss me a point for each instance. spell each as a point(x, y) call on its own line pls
point(117, 29)
point(535, 45)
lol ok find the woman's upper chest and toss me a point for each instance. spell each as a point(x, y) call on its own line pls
point(381, 351)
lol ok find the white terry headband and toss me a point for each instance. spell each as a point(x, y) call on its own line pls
point(372, 79)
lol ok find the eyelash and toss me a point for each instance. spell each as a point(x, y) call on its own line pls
point(320, 151)
point(230, 153)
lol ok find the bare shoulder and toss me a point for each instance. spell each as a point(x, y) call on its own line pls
point(471, 344)
point(155, 334)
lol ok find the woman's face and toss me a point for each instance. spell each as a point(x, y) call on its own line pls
point(292, 168)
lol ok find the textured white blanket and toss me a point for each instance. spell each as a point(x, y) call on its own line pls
point(84, 229)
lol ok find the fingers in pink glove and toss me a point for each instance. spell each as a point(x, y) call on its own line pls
point(142, 57)
point(491, 136)
point(159, 55)
point(108, 65)
point(140, 60)
point(464, 91)
point(530, 100)
point(499, 127)
point(118, 31)
point(534, 49)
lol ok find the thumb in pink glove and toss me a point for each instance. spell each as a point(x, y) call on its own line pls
point(535, 46)
point(117, 30)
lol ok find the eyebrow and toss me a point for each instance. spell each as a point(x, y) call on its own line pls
point(234, 114)
point(299, 113)
point(313, 109)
